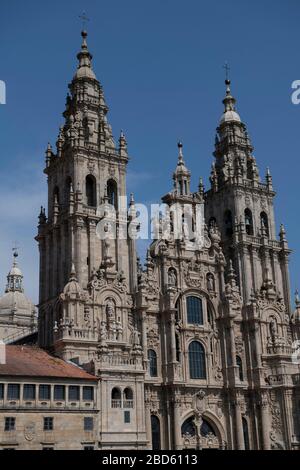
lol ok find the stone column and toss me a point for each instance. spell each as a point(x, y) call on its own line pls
point(177, 426)
point(173, 342)
point(148, 424)
point(265, 421)
point(144, 335)
point(91, 238)
point(239, 424)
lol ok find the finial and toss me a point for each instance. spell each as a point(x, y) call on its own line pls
point(180, 157)
point(201, 185)
point(15, 252)
point(73, 276)
point(282, 233)
point(131, 199)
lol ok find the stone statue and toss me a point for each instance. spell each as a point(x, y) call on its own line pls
point(172, 278)
point(119, 329)
point(113, 329)
point(210, 282)
point(136, 340)
point(110, 309)
point(273, 328)
point(103, 332)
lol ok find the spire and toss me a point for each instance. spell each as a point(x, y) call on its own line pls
point(181, 175)
point(15, 276)
point(85, 60)
point(229, 101)
point(73, 276)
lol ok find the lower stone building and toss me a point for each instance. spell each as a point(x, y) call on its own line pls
point(46, 403)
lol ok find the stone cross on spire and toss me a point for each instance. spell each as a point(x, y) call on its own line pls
point(227, 68)
point(84, 19)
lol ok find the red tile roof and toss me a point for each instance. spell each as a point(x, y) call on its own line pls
point(35, 362)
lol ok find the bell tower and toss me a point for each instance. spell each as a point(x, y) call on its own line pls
point(86, 198)
point(242, 207)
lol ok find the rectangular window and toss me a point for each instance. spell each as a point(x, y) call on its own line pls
point(44, 392)
point(59, 392)
point(194, 311)
point(88, 423)
point(127, 417)
point(88, 393)
point(74, 393)
point(13, 392)
point(88, 448)
point(48, 448)
point(1, 391)
point(48, 424)
point(10, 424)
point(29, 392)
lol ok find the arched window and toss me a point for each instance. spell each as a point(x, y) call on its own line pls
point(228, 223)
point(239, 363)
point(177, 310)
point(249, 222)
point(90, 191)
point(246, 434)
point(189, 428)
point(194, 310)
point(152, 358)
point(112, 193)
point(197, 361)
point(178, 349)
point(264, 223)
point(128, 398)
point(155, 430)
point(116, 399)
point(56, 195)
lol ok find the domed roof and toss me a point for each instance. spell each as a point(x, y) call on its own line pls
point(230, 115)
point(16, 301)
point(85, 72)
point(15, 271)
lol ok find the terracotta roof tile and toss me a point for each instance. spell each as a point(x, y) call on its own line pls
point(35, 362)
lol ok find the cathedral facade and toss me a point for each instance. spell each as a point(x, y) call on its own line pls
point(195, 349)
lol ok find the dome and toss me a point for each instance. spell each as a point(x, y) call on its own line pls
point(16, 301)
point(229, 116)
point(85, 72)
point(15, 271)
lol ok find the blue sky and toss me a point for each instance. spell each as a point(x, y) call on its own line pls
point(160, 63)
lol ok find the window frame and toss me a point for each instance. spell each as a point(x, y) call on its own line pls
point(13, 396)
point(193, 317)
point(152, 358)
point(88, 427)
point(48, 423)
point(197, 366)
point(9, 423)
point(56, 388)
point(44, 387)
point(26, 388)
point(76, 390)
point(84, 390)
